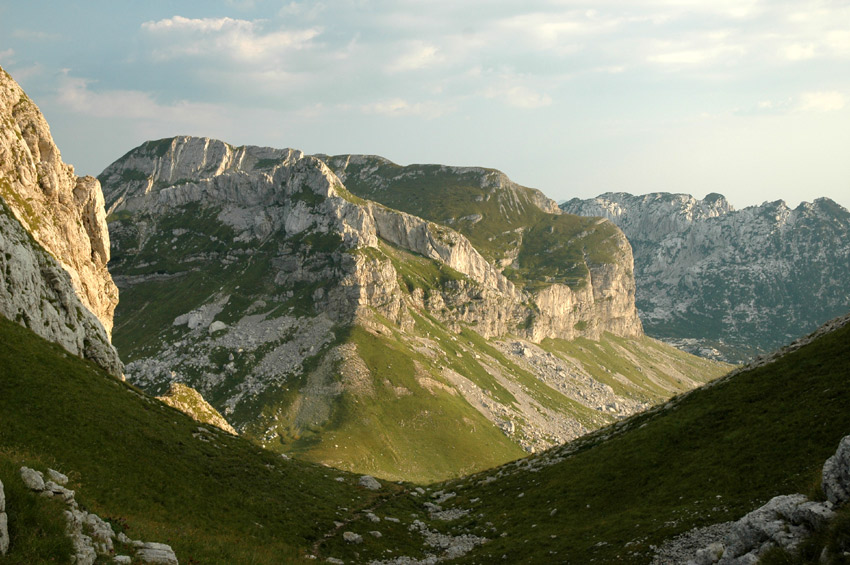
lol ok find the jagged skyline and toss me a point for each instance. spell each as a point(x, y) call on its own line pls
point(576, 99)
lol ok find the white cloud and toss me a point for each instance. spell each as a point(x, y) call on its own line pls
point(799, 51)
point(6, 55)
point(519, 96)
point(821, 101)
point(397, 107)
point(703, 50)
point(419, 55)
point(230, 38)
point(74, 94)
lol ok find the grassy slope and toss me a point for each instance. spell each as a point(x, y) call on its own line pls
point(718, 453)
point(134, 459)
point(553, 248)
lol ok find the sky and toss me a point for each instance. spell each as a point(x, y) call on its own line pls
point(747, 98)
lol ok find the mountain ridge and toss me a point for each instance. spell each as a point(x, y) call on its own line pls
point(731, 283)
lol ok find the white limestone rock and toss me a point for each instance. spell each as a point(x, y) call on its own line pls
point(4, 522)
point(369, 482)
point(4, 533)
point(34, 480)
point(836, 474)
point(351, 537)
point(156, 554)
point(57, 477)
point(699, 261)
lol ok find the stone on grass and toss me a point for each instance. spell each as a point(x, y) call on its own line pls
point(351, 537)
point(369, 482)
point(836, 474)
point(57, 477)
point(156, 554)
point(4, 534)
point(33, 479)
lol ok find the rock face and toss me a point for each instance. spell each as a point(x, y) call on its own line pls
point(731, 283)
point(256, 277)
point(53, 240)
point(64, 213)
point(577, 272)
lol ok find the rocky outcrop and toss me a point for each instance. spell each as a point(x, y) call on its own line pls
point(577, 274)
point(728, 283)
point(38, 293)
point(54, 243)
point(189, 401)
point(64, 213)
point(836, 475)
point(783, 522)
point(93, 537)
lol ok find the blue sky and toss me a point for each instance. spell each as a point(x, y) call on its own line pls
point(743, 97)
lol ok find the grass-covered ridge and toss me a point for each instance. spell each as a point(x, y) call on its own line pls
point(135, 460)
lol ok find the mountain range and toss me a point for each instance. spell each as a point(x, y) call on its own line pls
point(731, 284)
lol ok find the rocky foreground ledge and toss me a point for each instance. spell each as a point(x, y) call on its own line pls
point(785, 521)
point(92, 536)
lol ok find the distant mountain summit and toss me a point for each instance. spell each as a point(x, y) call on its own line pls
point(728, 283)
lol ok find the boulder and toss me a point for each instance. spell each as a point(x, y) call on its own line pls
point(157, 554)
point(369, 482)
point(351, 537)
point(33, 479)
point(836, 474)
point(4, 533)
point(57, 477)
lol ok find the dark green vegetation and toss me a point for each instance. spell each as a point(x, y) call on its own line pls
point(500, 219)
point(713, 455)
point(136, 461)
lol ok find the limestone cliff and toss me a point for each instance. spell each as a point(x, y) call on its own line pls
point(54, 238)
point(577, 272)
point(264, 191)
point(64, 213)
